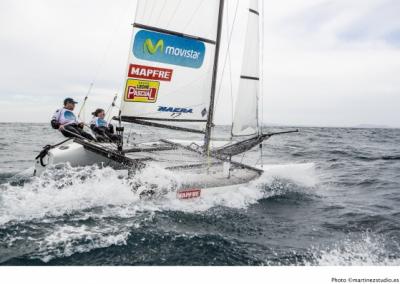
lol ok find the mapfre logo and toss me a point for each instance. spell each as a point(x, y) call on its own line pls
point(148, 72)
point(169, 49)
point(189, 193)
point(141, 91)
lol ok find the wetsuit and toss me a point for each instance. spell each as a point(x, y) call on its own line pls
point(104, 130)
point(67, 119)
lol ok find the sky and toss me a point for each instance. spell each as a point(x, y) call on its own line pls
point(326, 63)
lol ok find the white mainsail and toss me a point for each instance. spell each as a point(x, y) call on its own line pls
point(171, 59)
point(245, 120)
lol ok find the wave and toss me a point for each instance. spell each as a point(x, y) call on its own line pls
point(388, 158)
point(66, 190)
point(366, 249)
point(78, 210)
point(303, 174)
point(140, 247)
point(4, 177)
point(361, 250)
point(67, 240)
point(62, 191)
point(377, 158)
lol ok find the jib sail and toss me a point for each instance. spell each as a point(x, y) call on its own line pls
point(245, 120)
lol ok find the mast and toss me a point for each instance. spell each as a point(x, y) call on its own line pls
point(209, 125)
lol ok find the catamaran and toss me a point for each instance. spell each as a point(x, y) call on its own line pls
point(171, 83)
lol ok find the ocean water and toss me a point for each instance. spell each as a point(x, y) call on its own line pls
point(329, 196)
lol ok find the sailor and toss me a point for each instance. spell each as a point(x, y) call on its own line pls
point(65, 120)
point(104, 131)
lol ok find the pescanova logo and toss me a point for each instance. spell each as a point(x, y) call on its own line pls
point(169, 49)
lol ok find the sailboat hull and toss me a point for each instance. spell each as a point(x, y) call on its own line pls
point(198, 176)
point(69, 152)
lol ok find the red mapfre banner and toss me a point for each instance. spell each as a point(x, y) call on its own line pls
point(148, 72)
point(189, 193)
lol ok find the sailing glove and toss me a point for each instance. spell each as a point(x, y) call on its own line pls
point(55, 124)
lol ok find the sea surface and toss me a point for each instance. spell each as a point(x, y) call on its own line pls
point(329, 196)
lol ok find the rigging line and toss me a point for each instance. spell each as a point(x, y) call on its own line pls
point(193, 15)
point(174, 13)
point(241, 160)
point(108, 46)
point(123, 75)
point(102, 61)
point(84, 100)
point(230, 78)
point(226, 55)
point(262, 65)
point(110, 108)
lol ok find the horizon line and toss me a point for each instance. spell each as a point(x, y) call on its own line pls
point(359, 126)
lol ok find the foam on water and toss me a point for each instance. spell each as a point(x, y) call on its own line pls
point(303, 174)
point(268, 185)
point(67, 240)
point(364, 250)
point(59, 192)
point(63, 191)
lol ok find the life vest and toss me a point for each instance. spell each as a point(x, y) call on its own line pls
point(65, 117)
point(98, 122)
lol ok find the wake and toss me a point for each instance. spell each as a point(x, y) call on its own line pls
point(69, 189)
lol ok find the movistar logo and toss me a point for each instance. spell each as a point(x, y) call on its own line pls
point(151, 48)
point(169, 49)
